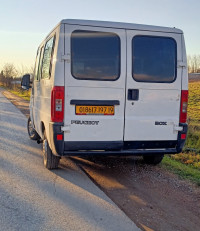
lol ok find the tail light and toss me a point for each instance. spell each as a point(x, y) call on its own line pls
point(183, 108)
point(57, 104)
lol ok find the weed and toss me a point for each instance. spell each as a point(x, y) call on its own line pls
point(183, 171)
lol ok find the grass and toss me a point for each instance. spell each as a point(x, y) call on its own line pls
point(186, 172)
point(194, 102)
point(21, 93)
point(193, 136)
point(188, 158)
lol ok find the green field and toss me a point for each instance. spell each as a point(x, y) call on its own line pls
point(193, 138)
point(194, 102)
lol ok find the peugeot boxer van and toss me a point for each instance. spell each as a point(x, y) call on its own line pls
point(109, 88)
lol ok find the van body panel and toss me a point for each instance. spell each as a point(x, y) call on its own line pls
point(157, 104)
point(41, 93)
point(121, 25)
point(184, 69)
point(139, 126)
point(108, 127)
point(59, 63)
point(103, 126)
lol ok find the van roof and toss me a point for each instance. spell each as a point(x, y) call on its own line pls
point(121, 25)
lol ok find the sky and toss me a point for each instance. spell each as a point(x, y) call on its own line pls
point(25, 23)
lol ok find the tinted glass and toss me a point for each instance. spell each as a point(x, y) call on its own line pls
point(154, 59)
point(95, 55)
point(46, 64)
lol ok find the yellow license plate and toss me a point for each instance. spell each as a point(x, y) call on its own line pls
point(95, 110)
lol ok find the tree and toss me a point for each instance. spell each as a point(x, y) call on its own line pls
point(9, 70)
point(22, 70)
point(8, 73)
point(194, 63)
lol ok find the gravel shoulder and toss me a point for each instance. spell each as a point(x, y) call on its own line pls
point(152, 197)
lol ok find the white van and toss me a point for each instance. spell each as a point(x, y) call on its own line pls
point(109, 88)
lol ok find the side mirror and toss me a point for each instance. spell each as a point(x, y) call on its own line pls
point(26, 83)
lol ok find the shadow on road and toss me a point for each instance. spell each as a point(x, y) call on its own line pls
point(149, 195)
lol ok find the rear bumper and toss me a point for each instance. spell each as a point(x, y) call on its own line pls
point(124, 152)
point(74, 148)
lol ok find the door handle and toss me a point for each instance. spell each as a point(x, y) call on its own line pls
point(133, 94)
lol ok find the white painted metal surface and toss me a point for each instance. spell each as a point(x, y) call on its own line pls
point(120, 25)
point(109, 128)
point(157, 101)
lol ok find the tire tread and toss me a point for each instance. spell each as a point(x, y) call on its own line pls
point(153, 159)
point(50, 160)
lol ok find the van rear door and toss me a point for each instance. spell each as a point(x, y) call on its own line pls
point(153, 86)
point(95, 71)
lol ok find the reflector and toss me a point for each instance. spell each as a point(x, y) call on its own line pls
point(59, 137)
point(183, 136)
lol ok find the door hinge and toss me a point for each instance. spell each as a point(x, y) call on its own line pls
point(178, 128)
point(181, 64)
point(65, 58)
point(66, 128)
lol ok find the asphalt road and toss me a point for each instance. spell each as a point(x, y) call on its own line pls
point(34, 198)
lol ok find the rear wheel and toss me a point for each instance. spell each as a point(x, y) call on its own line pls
point(50, 160)
point(31, 131)
point(153, 159)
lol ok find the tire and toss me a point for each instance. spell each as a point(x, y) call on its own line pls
point(153, 159)
point(33, 135)
point(50, 160)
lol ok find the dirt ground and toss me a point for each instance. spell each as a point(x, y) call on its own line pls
point(152, 197)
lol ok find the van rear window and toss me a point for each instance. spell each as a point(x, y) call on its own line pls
point(154, 59)
point(95, 55)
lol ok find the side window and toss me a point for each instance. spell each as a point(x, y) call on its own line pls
point(95, 55)
point(38, 64)
point(47, 58)
point(154, 59)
